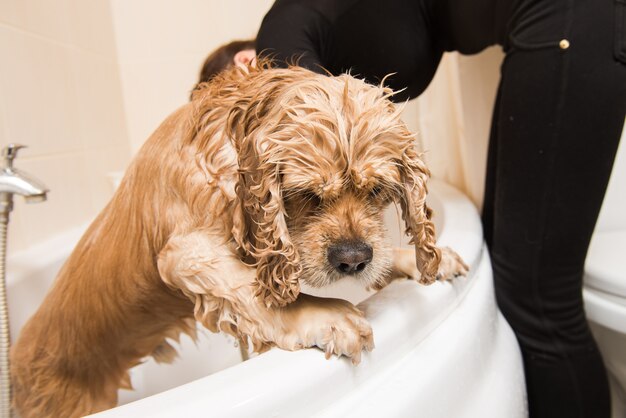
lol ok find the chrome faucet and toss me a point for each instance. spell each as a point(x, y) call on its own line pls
point(14, 181)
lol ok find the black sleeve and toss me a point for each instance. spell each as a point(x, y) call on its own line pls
point(293, 33)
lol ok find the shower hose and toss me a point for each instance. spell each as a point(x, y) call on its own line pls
point(5, 337)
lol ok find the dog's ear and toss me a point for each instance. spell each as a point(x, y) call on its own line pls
point(259, 224)
point(417, 215)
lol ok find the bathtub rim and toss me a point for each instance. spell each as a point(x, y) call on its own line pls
point(462, 223)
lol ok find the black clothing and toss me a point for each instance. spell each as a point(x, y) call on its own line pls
point(374, 38)
point(555, 130)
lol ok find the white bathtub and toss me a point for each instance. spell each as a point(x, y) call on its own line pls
point(441, 351)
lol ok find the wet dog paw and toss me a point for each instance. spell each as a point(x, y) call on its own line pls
point(451, 266)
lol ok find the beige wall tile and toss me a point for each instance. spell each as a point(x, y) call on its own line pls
point(60, 93)
point(91, 27)
point(148, 105)
point(48, 19)
point(161, 46)
point(79, 23)
point(37, 89)
point(96, 91)
point(147, 28)
point(148, 98)
point(3, 137)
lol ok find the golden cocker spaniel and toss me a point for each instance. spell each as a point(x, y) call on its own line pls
point(266, 179)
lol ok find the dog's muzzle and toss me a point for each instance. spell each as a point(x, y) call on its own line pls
point(349, 257)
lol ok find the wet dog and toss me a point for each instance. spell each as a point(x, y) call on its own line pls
point(267, 179)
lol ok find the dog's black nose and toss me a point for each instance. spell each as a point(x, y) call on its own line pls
point(349, 257)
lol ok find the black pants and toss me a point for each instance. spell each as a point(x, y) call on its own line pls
point(556, 127)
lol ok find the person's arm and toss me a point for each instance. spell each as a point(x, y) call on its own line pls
point(294, 34)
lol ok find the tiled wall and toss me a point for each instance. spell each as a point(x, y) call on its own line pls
point(161, 46)
point(60, 94)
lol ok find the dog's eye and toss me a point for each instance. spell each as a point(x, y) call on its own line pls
point(377, 191)
point(312, 198)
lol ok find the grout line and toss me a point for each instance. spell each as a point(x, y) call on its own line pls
point(71, 153)
point(55, 42)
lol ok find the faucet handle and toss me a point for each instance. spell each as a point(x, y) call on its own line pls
point(9, 153)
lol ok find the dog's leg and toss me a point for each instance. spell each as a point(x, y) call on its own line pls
point(451, 265)
point(336, 326)
point(221, 287)
point(404, 266)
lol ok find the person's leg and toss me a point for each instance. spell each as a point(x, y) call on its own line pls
point(557, 126)
point(487, 214)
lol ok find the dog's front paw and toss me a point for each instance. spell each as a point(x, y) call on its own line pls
point(404, 265)
point(334, 325)
point(451, 266)
point(346, 335)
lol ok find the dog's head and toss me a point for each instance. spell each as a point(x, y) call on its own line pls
point(319, 158)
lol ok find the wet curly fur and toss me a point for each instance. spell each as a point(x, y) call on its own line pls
point(230, 204)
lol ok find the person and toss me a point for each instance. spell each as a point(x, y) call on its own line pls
point(556, 126)
point(238, 52)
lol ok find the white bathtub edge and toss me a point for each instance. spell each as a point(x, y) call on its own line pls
point(279, 383)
